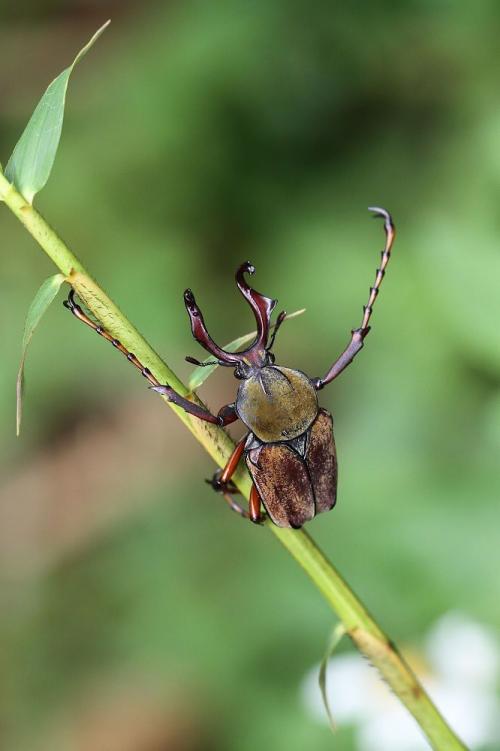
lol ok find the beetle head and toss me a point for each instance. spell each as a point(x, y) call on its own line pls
point(258, 354)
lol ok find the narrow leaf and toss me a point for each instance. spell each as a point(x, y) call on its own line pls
point(335, 637)
point(32, 160)
point(201, 373)
point(41, 302)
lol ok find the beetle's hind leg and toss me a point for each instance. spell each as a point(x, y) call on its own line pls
point(221, 483)
point(255, 507)
point(254, 512)
point(227, 491)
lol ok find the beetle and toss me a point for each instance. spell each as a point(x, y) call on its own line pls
point(289, 449)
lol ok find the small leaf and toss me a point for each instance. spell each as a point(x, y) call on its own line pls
point(335, 637)
point(41, 302)
point(32, 160)
point(201, 373)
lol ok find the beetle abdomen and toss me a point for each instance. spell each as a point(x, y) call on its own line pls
point(277, 404)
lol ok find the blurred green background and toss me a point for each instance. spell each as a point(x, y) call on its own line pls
point(137, 612)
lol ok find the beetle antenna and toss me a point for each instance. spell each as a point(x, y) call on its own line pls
point(276, 328)
point(194, 361)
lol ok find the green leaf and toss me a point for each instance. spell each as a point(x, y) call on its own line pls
point(41, 302)
point(201, 373)
point(335, 637)
point(32, 160)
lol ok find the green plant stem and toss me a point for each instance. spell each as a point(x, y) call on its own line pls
point(360, 626)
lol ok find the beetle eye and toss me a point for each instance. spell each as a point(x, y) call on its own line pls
point(242, 371)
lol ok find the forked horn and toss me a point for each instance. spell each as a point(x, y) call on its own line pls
point(261, 305)
point(201, 334)
point(262, 308)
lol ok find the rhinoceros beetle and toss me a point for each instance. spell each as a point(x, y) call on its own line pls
point(289, 449)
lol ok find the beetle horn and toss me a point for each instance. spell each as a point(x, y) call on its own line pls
point(262, 306)
point(201, 334)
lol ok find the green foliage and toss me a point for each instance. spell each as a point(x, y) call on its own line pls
point(43, 298)
point(33, 157)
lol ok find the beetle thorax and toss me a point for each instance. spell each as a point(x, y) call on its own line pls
point(276, 403)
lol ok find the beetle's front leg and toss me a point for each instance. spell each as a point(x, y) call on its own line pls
point(345, 359)
point(225, 416)
point(358, 335)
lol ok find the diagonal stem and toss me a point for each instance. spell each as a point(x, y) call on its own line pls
point(365, 633)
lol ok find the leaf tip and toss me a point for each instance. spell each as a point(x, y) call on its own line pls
point(90, 43)
point(43, 298)
point(19, 398)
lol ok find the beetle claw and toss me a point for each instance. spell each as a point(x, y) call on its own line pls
point(381, 213)
point(221, 487)
point(164, 390)
point(378, 211)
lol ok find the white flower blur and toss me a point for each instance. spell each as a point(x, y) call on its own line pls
point(461, 670)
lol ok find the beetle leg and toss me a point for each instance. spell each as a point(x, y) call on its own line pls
point(254, 512)
point(233, 461)
point(345, 359)
point(225, 416)
point(222, 487)
point(74, 308)
point(254, 506)
point(221, 483)
point(358, 335)
point(235, 506)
